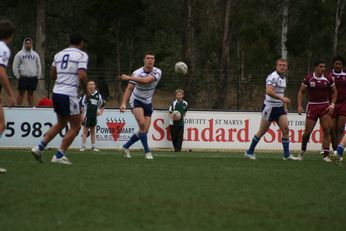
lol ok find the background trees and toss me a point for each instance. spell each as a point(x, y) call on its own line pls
point(229, 45)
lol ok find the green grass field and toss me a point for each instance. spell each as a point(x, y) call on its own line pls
point(185, 191)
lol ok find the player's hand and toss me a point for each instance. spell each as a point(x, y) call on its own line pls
point(331, 108)
point(300, 110)
point(12, 101)
point(124, 77)
point(286, 100)
point(122, 108)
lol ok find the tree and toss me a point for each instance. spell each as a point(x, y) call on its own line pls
point(224, 63)
point(340, 6)
point(188, 48)
point(284, 28)
point(41, 39)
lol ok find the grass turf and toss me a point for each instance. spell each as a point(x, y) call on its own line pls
point(185, 191)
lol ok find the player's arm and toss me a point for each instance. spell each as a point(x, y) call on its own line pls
point(6, 84)
point(301, 92)
point(333, 96)
point(100, 111)
point(38, 65)
point(83, 80)
point(102, 106)
point(126, 96)
point(271, 92)
point(137, 79)
point(53, 74)
point(15, 66)
point(170, 112)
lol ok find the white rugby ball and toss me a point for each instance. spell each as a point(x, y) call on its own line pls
point(181, 68)
point(176, 115)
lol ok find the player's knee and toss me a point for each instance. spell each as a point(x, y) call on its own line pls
point(306, 135)
point(340, 130)
point(326, 132)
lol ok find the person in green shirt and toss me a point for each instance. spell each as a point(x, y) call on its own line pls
point(92, 106)
point(177, 124)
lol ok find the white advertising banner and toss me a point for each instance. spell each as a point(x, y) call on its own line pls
point(25, 127)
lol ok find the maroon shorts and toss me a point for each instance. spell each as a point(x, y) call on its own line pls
point(315, 111)
point(339, 110)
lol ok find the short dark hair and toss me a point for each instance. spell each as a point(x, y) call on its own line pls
point(76, 38)
point(338, 58)
point(7, 29)
point(318, 62)
point(149, 53)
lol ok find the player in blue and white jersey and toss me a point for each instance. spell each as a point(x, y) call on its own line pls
point(139, 93)
point(69, 70)
point(7, 30)
point(274, 109)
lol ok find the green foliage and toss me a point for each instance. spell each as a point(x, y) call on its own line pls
point(119, 32)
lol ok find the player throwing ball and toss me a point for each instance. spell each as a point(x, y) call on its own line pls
point(139, 93)
point(274, 109)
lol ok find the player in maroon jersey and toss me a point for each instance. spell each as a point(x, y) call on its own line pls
point(339, 115)
point(321, 102)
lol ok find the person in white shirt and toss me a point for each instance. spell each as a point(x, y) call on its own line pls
point(139, 93)
point(274, 109)
point(7, 30)
point(69, 70)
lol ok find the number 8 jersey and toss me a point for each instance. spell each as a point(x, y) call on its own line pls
point(67, 63)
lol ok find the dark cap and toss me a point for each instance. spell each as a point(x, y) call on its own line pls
point(76, 38)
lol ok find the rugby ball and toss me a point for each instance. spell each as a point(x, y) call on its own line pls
point(176, 115)
point(181, 68)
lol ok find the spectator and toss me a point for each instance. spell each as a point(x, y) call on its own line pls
point(177, 125)
point(27, 69)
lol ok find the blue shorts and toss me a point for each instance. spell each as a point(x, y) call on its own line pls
point(272, 113)
point(65, 105)
point(148, 108)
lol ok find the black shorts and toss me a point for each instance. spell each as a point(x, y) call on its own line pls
point(90, 122)
point(27, 83)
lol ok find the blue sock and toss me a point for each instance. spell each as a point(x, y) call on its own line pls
point(285, 145)
point(254, 142)
point(42, 145)
point(144, 139)
point(59, 154)
point(134, 138)
point(340, 149)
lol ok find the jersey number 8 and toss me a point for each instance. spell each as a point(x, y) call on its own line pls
point(64, 61)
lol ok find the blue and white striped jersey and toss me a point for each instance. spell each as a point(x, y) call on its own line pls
point(144, 92)
point(279, 84)
point(67, 63)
